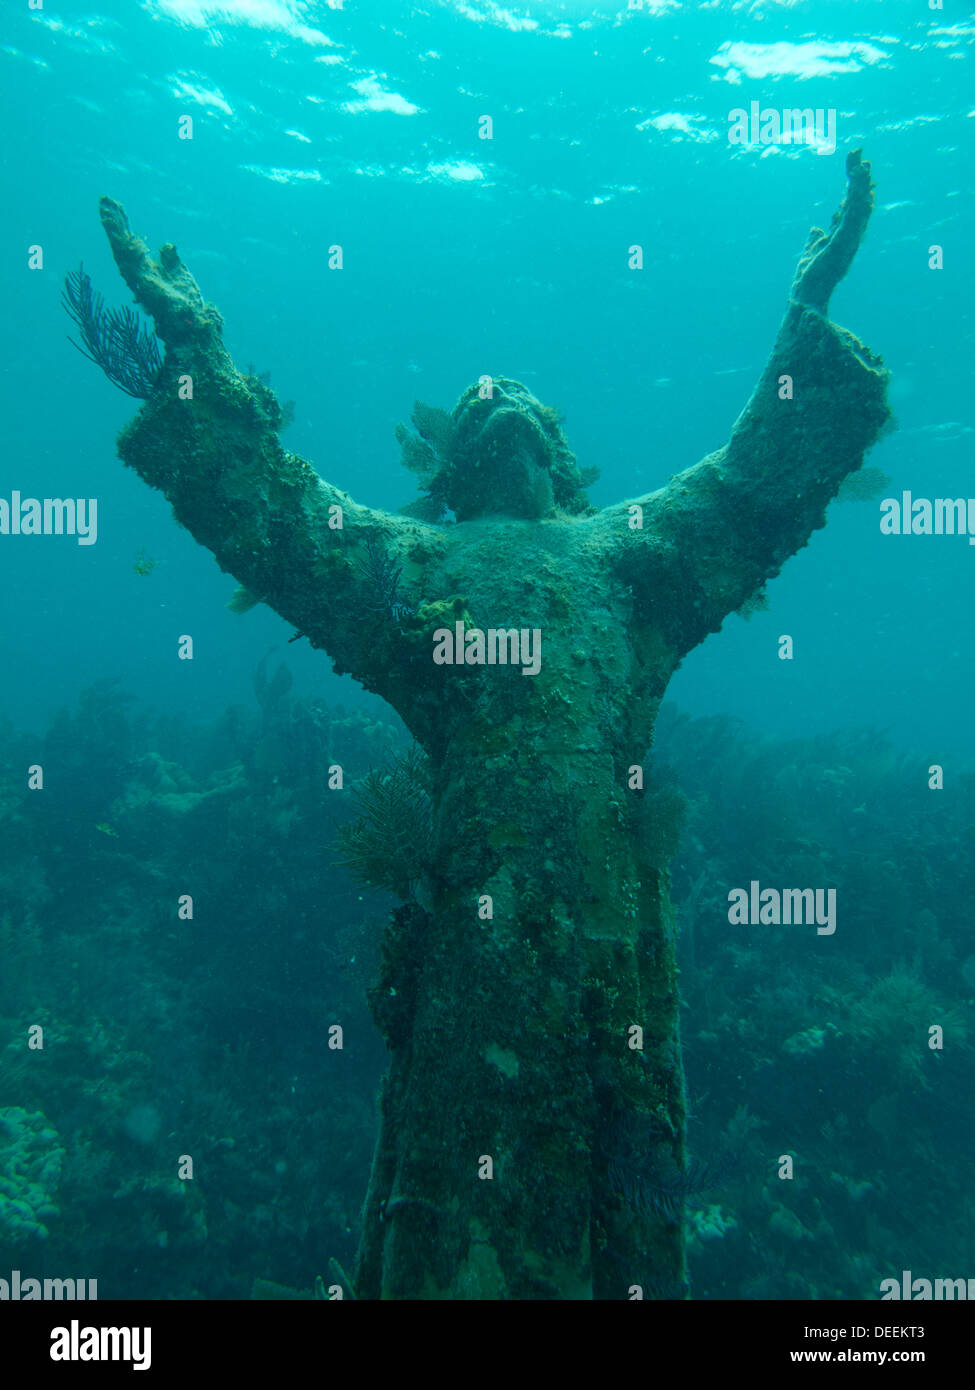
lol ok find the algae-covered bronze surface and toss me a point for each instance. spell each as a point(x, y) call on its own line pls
point(529, 1147)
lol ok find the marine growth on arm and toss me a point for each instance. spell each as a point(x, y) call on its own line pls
point(207, 437)
point(710, 539)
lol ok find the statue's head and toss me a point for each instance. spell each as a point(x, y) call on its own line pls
point(500, 452)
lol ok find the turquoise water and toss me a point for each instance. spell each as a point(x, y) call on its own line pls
point(315, 126)
point(360, 126)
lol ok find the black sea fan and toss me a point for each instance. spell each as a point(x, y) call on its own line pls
point(644, 1174)
point(117, 340)
point(388, 847)
point(382, 577)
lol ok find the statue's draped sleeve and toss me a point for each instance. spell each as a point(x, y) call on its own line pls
point(711, 538)
point(207, 437)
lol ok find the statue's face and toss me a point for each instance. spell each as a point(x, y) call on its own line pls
point(502, 455)
point(499, 452)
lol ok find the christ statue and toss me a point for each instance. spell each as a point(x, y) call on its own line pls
point(532, 1130)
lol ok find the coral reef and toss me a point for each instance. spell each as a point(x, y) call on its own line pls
point(828, 1050)
point(30, 1172)
point(154, 1047)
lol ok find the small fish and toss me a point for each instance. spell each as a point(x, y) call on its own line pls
point(107, 830)
point(144, 564)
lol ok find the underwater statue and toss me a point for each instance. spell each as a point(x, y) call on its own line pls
point(531, 1139)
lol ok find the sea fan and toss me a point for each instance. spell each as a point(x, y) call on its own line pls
point(643, 1173)
point(389, 846)
point(117, 340)
point(382, 577)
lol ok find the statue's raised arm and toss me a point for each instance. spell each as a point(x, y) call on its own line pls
point(703, 545)
point(207, 436)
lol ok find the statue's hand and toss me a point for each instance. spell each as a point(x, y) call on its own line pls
point(829, 255)
point(164, 288)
